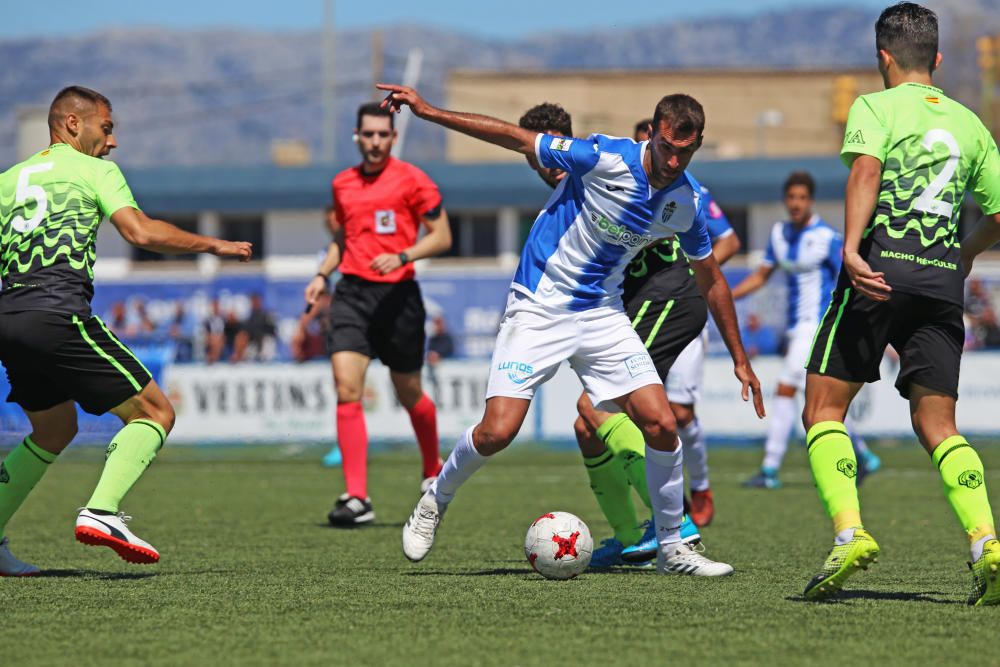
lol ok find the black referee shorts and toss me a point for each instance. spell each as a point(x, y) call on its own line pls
point(666, 327)
point(927, 333)
point(379, 320)
point(52, 358)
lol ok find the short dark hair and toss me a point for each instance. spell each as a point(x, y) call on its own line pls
point(642, 125)
point(800, 178)
point(910, 33)
point(683, 114)
point(546, 117)
point(76, 93)
point(375, 109)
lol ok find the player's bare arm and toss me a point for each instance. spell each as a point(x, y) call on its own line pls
point(725, 247)
point(158, 236)
point(437, 240)
point(715, 290)
point(753, 282)
point(984, 236)
point(486, 128)
point(862, 194)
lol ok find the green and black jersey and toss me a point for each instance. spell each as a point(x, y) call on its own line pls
point(659, 273)
point(933, 150)
point(50, 208)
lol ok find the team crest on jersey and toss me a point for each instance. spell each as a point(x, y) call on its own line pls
point(668, 211)
point(385, 222)
point(561, 144)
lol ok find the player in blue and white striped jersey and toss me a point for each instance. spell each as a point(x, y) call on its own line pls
point(809, 252)
point(617, 197)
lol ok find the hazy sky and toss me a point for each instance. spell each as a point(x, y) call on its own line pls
point(511, 18)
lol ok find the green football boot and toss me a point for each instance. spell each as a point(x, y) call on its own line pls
point(843, 561)
point(986, 576)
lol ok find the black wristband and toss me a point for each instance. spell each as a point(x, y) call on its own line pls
point(404, 258)
point(327, 278)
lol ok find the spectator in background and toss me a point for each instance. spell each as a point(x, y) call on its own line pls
point(440, 344)
point(180, 332)
point(138, 324)
point(215, 333)
point(987, 330)
point(117, 317)
point(257, 338)
point(309, 340)
point(977, 300)
point(758, 339)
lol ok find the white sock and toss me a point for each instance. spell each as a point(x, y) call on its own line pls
point(857, 440)
point(665, 477)
point(463, 461)
point(977, 548)
point(844, 536)
point(695, 455)
point(778, 431)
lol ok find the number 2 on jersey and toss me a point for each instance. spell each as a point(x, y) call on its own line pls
point(928, 201)
point(27, 192)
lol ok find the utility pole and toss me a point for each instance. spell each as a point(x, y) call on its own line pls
point(378, 63)
point(411, 77)
point(329, 98)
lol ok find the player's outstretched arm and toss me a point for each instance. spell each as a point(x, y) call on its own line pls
point(715, 289)
point(862, 194)
point(984, 236)
point(753, 282)
point(158, 236)
point(725, 247)
point(486, 128)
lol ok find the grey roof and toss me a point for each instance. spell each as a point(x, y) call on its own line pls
point(463, 186)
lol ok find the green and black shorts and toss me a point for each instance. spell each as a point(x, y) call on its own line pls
point(927, 333)
point(667, 326)
point(52, 358)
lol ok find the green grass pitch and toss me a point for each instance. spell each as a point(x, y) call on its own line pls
point(252, 575)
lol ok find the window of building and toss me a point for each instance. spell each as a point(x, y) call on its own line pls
point(473, 235)
point(244, 228)
point(188, 223)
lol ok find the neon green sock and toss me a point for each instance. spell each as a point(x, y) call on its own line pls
point(610, 487)
point(626, 441)
point(965, 486)
point(19, 473)
point(834, 468)
point(131, 451)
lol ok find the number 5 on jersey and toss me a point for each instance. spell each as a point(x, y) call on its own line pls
point(26, 192)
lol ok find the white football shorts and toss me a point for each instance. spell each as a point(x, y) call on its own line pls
point(684, 379)
point(799, 342)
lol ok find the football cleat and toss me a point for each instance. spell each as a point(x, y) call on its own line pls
point(986, 576)
point(333, 457)
point(645, 549)
point(351, 511)
point(426, 484)
point(10, 566)
point(608, 555)
point(868, 463)
point(765, 479)
point(702, 507)
point(420, 529)
point(684, 559)
point(109, 530)
point(843, 561)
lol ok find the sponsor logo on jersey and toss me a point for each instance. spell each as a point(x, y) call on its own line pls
point(561, 144)
point(638, 364)
point(619, 234)
point(856, 138)
point(517, 372)
point(613, 188)
point(668, 211)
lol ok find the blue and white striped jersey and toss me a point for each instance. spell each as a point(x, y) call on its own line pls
point(811, 258)
point(602, 213)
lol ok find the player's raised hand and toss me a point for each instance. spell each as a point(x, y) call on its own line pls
point(400, 96)
point(241, 250)
point(746, 376)
point(867, 282)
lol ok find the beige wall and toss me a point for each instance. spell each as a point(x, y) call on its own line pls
point(611, 102)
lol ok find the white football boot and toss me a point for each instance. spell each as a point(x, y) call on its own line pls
point(420, 528)
point(680, 558)
point(11, 566)
point(101, 530)
point(427, 483)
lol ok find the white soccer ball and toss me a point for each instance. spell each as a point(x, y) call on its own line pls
point(558, 545)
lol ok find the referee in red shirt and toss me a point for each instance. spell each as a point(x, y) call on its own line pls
point(377, 309)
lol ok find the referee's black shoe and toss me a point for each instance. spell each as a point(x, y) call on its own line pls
point(351, 511)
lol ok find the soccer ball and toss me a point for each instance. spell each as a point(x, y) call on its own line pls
point(558, 545)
